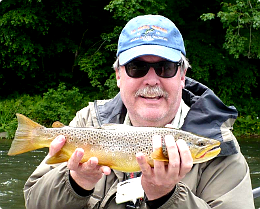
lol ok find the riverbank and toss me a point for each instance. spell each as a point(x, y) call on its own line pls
point(62, 104)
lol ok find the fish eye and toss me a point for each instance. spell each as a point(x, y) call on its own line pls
point(201, 143)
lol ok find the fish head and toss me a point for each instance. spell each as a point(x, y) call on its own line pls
point(204, 149)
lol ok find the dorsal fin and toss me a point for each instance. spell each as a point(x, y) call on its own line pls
point(57, 124)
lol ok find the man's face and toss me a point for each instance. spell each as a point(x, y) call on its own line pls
point(149, 108)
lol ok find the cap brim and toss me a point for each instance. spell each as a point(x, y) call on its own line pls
point(156, 50)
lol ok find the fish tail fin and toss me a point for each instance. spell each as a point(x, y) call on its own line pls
point(157, 154)
point(25, 136)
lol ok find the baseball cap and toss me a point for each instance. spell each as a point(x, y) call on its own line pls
point(150, 35)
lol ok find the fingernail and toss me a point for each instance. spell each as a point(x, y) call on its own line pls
point(157, 141)
point(139, 155)
point(60, 139)
point(169, 140)
point(91, 162)
point(80, 153)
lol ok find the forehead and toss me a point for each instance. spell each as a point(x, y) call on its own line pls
point(150, 58)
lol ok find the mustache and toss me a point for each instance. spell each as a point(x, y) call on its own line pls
point(151, 91)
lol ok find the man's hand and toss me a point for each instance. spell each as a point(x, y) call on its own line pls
point(161, 179)
point(87, 174)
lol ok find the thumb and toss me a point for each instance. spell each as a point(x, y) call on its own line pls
point(56, 145)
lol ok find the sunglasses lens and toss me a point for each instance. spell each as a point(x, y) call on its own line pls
point(166, 69)
point(138, 69)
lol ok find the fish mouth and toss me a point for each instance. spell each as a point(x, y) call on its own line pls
point(211, 152)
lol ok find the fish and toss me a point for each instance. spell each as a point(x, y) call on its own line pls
point(115, 145)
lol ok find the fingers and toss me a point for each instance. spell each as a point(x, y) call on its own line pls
point(74, 161)
point(173, 154)
point(144, 166)
point(56, 145)
point(162, 178)
point(158, 165)
point(157, 142)
point(179, 156)
point(105, 170)
point(180, 159)
point(91, 166)
point(186, 158)
point(86, 174)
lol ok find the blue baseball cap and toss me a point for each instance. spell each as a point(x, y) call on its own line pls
point(150, 35)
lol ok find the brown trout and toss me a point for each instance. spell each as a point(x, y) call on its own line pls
point(114, 145)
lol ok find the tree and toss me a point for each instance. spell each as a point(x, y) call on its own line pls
point(45, 43)
point(41, 40)
point(242, 21)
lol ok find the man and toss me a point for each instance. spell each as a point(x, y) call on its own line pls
point(150, 72)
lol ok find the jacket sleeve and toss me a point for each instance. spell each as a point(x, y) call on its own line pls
point(86, 117)
point(49, 187)
point(223, 183)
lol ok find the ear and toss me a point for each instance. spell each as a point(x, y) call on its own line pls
point(118, 77)
point(183, 78)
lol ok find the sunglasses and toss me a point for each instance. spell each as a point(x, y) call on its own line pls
point(164, 69)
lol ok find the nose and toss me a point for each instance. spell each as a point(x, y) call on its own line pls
point(151, 78)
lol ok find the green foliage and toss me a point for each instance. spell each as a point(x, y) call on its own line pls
point(126, 10)
point(23, 104)
point(242, 21)
point(248, 122)
point(247, 126)
point(93, 64)
point(207, 16)
point(111, 86)
point(29, 37)
point(95, 60)
point(45, 43)
point(15, 25)
point(57, 104)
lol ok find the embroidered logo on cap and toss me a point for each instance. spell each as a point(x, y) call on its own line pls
point(150, 33)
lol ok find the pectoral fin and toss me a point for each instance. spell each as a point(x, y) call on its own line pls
point(59, 157)
point(157, 154)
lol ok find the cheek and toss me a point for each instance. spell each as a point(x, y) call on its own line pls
point(174, 88)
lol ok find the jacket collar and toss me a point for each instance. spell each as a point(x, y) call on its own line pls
point(207, 115)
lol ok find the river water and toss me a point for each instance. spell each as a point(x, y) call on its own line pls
point(15, 170)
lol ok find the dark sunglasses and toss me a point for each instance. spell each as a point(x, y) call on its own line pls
point(164, 69)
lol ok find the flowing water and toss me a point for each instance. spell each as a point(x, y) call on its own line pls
point(15, 170)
